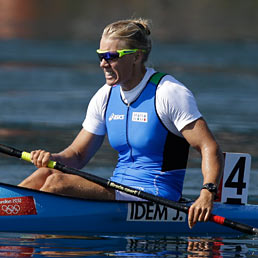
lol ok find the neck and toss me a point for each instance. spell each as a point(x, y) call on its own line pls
point(136, 79)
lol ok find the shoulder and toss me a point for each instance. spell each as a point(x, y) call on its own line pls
point(98, 103)
point(102, 92)
point(171, 90)
point(101, 96)
point(175, 103)
point(95, 117)
point(169, 84)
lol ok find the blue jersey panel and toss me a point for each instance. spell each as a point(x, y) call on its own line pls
point(150, 156)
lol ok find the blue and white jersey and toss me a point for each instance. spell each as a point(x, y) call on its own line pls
point(150, 157)
point(146, 133)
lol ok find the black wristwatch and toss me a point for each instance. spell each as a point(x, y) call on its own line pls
point(210, 187)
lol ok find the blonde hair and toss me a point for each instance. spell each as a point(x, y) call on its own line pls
point(135, 33)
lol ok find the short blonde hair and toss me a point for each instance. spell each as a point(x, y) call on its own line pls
point(134, 32)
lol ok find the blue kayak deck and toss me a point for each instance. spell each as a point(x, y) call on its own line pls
point(31, 211)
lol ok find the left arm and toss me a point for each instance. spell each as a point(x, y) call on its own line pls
point(200, 137)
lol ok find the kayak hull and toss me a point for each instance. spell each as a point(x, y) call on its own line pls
point(30, 211)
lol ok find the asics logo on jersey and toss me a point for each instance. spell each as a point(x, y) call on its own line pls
point(116, 117)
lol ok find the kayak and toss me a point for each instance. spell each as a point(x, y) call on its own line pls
point(24, 210)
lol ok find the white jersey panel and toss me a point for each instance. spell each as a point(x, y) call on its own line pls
point(176, 105)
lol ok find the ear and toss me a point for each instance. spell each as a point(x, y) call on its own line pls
point(138, 57)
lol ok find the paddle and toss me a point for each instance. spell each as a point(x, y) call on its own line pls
point(107, 183)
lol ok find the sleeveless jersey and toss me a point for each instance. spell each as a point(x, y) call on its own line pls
point(151, 158)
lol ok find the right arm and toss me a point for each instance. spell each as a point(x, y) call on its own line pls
point(76, 155)
point(87, 142)
point(83, 148)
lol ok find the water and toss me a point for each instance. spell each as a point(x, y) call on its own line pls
point(44, 91)
point(108, 246)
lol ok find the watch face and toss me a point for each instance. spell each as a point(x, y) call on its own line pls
point(210, 187)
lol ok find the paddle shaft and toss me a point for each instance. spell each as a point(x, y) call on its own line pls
point(129, 190)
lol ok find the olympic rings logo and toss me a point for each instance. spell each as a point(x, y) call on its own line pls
point(11, 209)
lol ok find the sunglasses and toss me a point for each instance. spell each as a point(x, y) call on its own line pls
point(117, 54)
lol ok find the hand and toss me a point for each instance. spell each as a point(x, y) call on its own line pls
point(201, 209)
point(40, 158)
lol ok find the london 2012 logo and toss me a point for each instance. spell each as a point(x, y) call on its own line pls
point(22, 205)
point(11, 209)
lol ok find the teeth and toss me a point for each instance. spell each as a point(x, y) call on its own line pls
point(109, 73)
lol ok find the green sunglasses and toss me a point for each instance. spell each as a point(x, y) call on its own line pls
point(107, 55)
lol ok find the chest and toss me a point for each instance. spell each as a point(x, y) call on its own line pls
point(137, 124)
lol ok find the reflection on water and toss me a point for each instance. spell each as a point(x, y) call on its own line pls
point(125, 246)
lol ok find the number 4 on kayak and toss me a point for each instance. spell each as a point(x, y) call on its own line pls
point(27, 210)
point(233, 188)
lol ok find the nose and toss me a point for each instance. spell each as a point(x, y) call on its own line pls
point(103, 63)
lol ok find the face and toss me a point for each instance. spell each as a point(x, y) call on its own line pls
point(125, 70)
